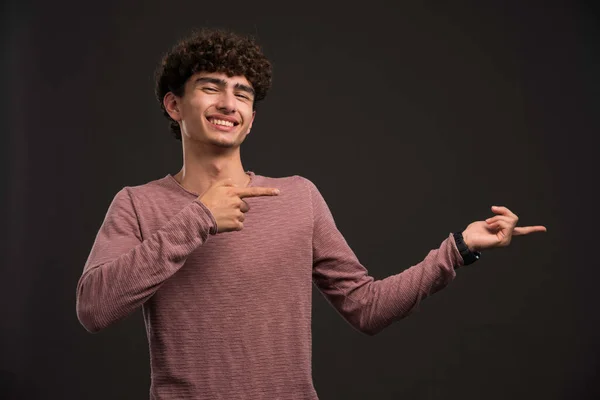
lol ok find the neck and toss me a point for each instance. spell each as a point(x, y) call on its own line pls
point(203, 165)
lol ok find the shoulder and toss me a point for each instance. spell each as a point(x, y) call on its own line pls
point(158, 192)
point(297, 189)
point(157, 185)
point(294, 183)
point(163, 189)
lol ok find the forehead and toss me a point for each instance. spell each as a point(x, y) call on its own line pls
point(229, 80)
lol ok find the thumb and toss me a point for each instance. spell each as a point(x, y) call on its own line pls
point(224, 182)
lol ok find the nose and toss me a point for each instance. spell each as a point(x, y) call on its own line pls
point(226, 102)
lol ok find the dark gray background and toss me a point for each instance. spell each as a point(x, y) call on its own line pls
point(412, 119)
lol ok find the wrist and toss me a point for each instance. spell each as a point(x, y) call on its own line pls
point(468, 255)
point(465, 236)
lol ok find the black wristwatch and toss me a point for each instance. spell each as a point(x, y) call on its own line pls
point(469, 257)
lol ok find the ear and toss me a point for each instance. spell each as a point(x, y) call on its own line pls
point(171, 104)
point(251, 122)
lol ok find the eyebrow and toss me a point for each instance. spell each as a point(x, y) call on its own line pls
point(223, 83)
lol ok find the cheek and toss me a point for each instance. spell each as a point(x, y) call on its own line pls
point(197, 104)
point(246, 112)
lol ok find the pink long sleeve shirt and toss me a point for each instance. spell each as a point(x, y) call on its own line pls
point(228, 315)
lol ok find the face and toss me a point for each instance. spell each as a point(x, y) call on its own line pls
point(215, 109)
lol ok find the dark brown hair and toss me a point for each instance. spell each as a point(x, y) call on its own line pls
point(211, 50)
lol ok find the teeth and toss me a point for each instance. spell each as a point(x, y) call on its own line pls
point(221, 122)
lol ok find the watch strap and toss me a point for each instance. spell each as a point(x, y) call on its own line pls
point(469, 257)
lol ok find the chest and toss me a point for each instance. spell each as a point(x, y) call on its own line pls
point(273, 249)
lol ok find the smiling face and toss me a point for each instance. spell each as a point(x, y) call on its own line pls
point(215, 109)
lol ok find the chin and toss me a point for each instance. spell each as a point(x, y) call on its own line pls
point(226, 143)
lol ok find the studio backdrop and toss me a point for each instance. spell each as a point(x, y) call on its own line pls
point(412, 119)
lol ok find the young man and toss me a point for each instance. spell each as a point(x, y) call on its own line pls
point(222, 260)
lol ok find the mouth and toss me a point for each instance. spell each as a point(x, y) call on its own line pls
point(223, 123)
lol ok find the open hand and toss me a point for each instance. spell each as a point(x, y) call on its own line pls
point(496, 231)
point(224, 200)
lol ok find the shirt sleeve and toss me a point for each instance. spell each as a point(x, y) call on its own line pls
point(123, 271)
point(370, 305)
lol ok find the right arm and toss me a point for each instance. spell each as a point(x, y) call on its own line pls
point(123, 270)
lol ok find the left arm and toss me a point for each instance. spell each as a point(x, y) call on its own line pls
point(370, 305)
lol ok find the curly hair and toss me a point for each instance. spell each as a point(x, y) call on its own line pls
point(211, 50)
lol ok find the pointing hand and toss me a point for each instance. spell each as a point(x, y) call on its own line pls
point(496, 231)
point(224, 200)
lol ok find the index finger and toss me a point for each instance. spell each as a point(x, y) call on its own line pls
point(256, 192)
point(524, 230)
